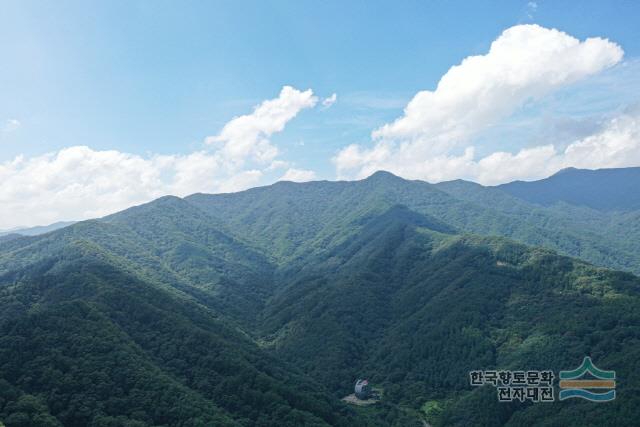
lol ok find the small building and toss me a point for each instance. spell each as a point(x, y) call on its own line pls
point(363, 389)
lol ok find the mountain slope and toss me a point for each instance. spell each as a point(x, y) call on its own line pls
point(96, 340)
point(415, 310)
point(606, 238)
point(168, 242)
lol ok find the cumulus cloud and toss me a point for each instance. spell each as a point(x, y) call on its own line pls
point(247, 137)
point(11, 125)
point(78, 182)
point(329, 101)
point(298, 175)
point(525, 62)
point(432, 139)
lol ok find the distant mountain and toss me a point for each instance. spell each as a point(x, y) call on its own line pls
point(608, 237)
point(263, 307)
point(34, 231)
point(602, 189)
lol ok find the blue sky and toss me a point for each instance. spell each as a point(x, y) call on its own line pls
point(153, 78)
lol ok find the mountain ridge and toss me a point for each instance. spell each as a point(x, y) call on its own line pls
point(609, 189)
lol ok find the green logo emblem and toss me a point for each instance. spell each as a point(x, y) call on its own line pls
point(572, 383)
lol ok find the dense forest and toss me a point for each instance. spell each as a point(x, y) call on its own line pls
point(263, 307)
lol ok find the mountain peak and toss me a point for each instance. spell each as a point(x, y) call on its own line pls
point(383, 175)
point(566, 170)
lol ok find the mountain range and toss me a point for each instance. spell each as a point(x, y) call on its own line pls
point(34, 231)
point(263, 307)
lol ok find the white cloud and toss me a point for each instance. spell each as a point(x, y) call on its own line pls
point(247, 137)
point(278, 164)
point(616, 145)
point(329, 101)
point(298, 175)
point(240, 181)
point(524, 63)
point(79, 182)
point(11, 125)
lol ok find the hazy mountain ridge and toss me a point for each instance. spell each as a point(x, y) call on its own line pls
point(602, 189)
point(34, 231)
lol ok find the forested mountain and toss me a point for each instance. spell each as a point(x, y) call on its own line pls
point(592, 214)
point(92, 338)
point(263, 307)
point(290, 220)
point(416, 310)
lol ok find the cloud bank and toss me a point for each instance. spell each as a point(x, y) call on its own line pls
point(432, 140)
